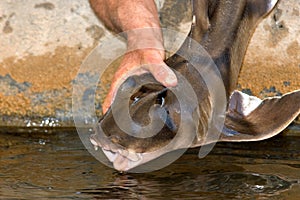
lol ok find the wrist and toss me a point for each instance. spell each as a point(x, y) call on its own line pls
point(145, 38)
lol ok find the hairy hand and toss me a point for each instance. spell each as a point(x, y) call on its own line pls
point(138, 62)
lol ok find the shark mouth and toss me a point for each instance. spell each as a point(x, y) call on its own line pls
point(122, 159)
point(125, 160)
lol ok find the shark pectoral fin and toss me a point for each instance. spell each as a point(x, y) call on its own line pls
point(250, 119)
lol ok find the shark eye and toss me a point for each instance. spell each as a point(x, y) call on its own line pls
point(160, 100)
point(135, 100)
point(142, 92)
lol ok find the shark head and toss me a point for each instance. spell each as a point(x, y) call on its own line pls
point(142, 124)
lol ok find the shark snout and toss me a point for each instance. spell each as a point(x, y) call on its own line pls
point(122, 159)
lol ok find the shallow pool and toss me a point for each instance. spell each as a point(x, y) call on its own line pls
point(55, 165)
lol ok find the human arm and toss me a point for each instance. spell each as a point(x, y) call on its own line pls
point(139, 18)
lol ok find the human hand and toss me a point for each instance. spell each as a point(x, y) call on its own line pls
point(138, 62)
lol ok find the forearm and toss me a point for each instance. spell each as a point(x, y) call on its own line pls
point(126, 15)
point(123, 15)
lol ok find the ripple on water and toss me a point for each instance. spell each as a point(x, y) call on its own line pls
point(57, 166)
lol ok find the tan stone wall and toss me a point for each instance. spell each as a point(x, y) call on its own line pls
point(42, 45)
point(272, 63)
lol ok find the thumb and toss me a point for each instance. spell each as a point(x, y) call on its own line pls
point(163, 74)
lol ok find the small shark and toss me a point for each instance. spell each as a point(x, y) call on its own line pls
point(224, 29)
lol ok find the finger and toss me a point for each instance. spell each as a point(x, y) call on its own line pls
point(111, 94)
point(163, 74)
point(107, 102)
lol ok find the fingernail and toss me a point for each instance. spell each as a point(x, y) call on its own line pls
point(171, 80)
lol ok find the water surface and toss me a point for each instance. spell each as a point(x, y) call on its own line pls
point(55, 165)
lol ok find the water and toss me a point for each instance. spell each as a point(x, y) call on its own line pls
point(55, 165)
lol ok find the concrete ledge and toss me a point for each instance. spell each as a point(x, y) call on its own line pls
point(43, 43)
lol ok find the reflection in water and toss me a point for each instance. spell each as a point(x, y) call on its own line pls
point(56, 165)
